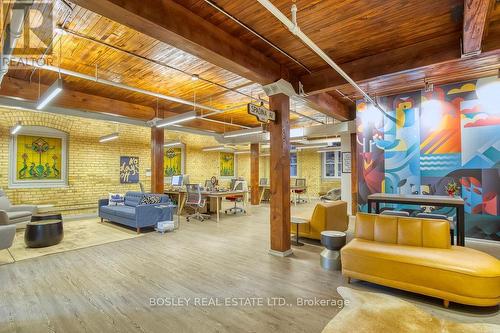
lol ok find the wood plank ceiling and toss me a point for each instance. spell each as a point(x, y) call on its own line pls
point(370, 39)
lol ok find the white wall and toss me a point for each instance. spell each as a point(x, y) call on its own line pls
point(345, 146)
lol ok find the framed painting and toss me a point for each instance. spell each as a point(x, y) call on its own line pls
point(346, 162)
point(173, 161)
point(38, 158)
point(226, 165)
point(129, 169)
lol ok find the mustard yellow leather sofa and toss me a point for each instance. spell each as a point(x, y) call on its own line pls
point(326, 216)
point(415, 254)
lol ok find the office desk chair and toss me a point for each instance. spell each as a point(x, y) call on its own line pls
point(196, 201)
point(300, 182)
point(239, 185)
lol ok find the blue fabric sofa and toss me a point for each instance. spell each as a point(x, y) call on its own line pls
point(134, 213)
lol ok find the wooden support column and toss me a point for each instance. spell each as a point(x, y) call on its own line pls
point(280, 175)
point(354, 174)
point(157, 142)
point(254, 173)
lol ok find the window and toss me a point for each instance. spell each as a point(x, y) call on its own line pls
point(332, 164)
point(38, 158)
point(293, 165)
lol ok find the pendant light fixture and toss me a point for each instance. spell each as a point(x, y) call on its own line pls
point(51, 93)
point(243, 132)
point(109, 137)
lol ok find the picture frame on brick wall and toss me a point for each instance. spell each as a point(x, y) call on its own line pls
point(129, 169)
point(38, 158)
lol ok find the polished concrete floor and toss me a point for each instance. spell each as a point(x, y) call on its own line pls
point(127, 286)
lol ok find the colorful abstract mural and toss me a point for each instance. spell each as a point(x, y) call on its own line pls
point(38, 158)
point(425, 140)
point(226, 164)
point(172, 161)
point(129, 169)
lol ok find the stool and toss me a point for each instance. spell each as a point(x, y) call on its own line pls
point(333, 241)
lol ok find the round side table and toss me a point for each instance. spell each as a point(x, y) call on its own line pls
point(333, 241)
point(297, 221)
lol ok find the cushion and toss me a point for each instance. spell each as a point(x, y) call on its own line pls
point(133, 198)
point(150, 199)
point(22, 216)
point(4, 203)
point(436, 233)
point(364, 226)
point(116, 199)
point(410, 231)
point(127, 212)
point(386, 229)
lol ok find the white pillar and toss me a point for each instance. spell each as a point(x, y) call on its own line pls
point(345, 146)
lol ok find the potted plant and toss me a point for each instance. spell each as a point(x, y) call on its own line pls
point(452, 188)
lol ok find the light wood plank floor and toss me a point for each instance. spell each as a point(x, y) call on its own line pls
point(108, 288)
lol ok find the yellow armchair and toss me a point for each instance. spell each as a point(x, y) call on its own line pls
point(326, 216)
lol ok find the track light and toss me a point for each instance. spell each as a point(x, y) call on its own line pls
point(250, 131)
point(16, 128)
point(109, 137)
point(51, 93)
point(176, 119)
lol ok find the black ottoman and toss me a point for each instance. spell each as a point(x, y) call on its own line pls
point(43, 233)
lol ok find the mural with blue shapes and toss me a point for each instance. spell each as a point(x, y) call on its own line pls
point(425, 140)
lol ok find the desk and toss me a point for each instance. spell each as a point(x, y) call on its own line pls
point(263, 188)
point(424, 200)
point(218, 195)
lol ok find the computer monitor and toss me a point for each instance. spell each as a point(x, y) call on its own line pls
point(177, 180)
point(185, 180)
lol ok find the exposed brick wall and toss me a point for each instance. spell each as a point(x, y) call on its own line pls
point(309, 168)
point(93, 167)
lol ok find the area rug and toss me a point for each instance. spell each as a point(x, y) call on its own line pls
point(373, 312)
point(77, 235)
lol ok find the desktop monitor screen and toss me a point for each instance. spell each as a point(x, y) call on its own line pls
point(177, 181)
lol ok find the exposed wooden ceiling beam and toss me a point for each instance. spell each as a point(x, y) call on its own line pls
point(405, 58)
point(72, 99)
point(177, 26)
point(476, 13)
point(330, 106)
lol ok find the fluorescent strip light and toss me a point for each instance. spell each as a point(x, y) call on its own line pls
point(109, 137)
point(297, 132)
point(239, 152)
point(327, 150)
point(16, 128)
point(176, 119)
point(217, 148)
point(311, 147)
point(172, 143)
point(51, 92)
point(243, 132)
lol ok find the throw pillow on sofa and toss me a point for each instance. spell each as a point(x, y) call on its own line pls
point(116, 199)
point(150, 200)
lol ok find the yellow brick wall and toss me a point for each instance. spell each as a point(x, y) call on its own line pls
point(93, 167)
point(309, 168)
